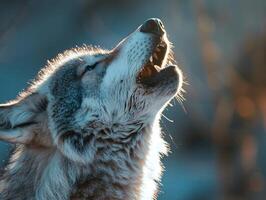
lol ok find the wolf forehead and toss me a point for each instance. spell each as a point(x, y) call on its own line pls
point(61, 76)
point(68, 61)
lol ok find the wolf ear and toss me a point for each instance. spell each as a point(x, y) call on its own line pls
point(19, 117)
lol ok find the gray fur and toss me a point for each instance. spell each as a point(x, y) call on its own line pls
point(88, 134)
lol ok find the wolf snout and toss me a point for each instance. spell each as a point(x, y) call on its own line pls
point(153, 25)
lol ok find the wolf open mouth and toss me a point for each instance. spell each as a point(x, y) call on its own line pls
point(154, 64)
point(155, 71)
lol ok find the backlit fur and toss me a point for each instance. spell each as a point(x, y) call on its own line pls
point(88, 134)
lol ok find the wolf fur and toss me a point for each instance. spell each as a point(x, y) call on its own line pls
point(87, 129)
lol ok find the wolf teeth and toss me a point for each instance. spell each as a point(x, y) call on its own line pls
point(151, 59)
point(157, 68)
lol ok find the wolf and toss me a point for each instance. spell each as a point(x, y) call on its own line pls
point(87, 127)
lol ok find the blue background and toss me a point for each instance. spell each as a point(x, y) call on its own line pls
point(218, 142)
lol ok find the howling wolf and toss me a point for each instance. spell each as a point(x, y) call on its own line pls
point(88, 125)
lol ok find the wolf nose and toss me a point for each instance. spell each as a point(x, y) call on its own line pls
point(154, 26)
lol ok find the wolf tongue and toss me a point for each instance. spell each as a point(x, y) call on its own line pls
point(153, 69)
point(148, 71)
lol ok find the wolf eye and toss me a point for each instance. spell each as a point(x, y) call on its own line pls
point(87, 68)
point(90, 67)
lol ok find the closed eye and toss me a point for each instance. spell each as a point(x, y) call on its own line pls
point(90, 67)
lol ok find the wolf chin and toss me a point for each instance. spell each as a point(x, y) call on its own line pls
point(88, 125)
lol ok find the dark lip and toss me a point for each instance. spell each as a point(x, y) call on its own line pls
point(154, 65)
point(166, 76)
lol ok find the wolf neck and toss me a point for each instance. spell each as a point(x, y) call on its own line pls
point(114, 174)
point(23, 173)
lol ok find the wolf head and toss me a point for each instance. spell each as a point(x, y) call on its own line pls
point(87, 92)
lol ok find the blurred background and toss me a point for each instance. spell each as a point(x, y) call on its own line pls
point(218, 137)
